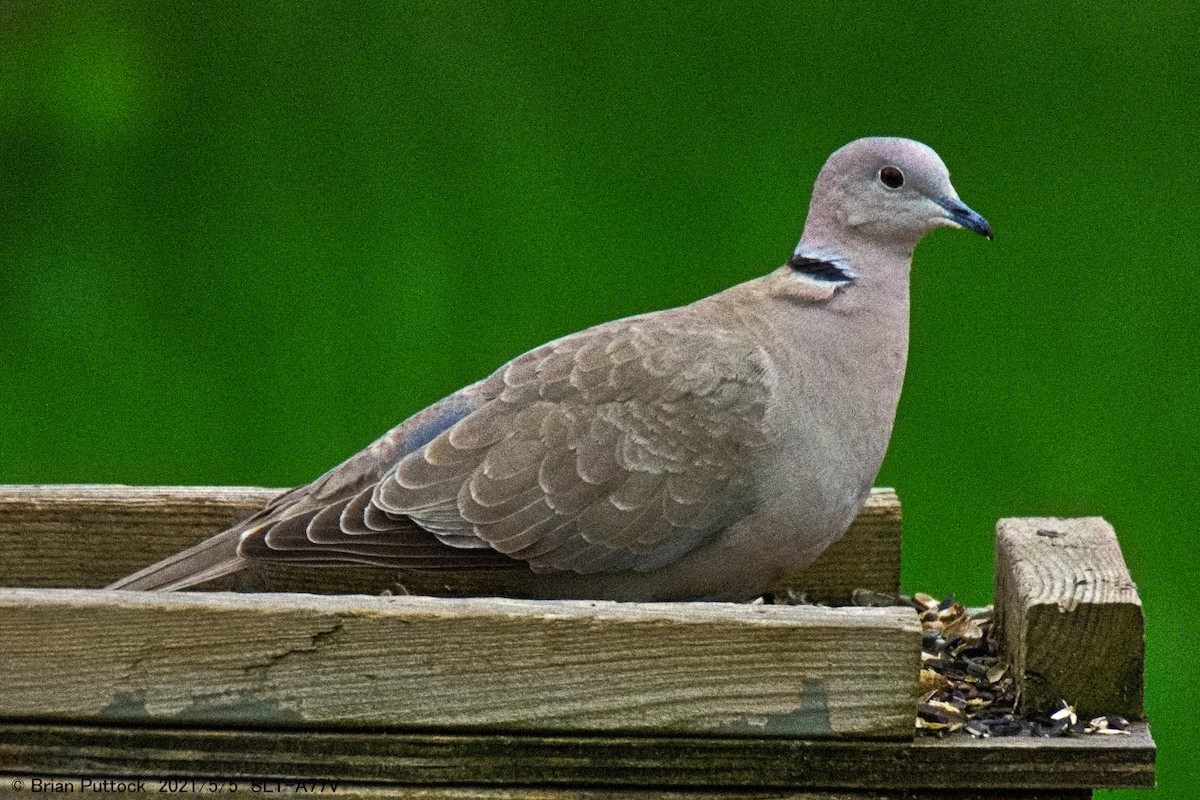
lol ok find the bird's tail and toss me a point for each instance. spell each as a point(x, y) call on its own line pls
point(210, 559)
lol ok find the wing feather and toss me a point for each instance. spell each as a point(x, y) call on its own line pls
point(621, 447)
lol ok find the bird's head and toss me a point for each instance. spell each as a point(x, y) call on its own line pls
point(887, 191)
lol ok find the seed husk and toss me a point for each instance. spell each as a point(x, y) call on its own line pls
point(923, 601)
point(966, 685)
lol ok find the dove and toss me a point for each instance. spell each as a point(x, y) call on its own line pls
point(703, 452)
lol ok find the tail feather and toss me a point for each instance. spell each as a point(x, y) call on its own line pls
point(210, 559)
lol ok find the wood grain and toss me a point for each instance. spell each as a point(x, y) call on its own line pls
point(72, 788)
point(86, 536)
point(430, 760)
point(476, 664)
point(1071, 615)
point(867, 557)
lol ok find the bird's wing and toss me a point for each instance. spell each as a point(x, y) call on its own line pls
point(620, 447)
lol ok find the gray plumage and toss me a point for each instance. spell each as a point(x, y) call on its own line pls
point(705, 451)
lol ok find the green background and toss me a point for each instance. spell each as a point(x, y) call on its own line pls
point(240, 240)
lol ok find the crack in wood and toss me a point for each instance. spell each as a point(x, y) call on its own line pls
point(317, 641)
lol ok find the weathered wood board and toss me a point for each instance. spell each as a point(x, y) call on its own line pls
point(477, 664)
point(86, 536)
point(1071, 615)
point(59, 788)
point(414, 759)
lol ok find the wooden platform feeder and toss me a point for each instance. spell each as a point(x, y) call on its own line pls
point(396, 695)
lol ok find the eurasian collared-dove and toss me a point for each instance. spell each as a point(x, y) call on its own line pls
point(703, 452)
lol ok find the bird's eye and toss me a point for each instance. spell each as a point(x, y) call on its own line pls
point(891, 177)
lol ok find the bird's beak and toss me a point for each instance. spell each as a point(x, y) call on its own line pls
point(962, 217)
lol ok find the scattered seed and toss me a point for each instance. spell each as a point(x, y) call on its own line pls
point(978, 729)
point(933, 682)
point(976, 669)
point(1006, 726)
point(935, 727)
point(923, 601)
point(1066, 712)
point(966, 685)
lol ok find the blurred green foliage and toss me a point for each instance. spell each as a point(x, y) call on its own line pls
point(238, 240)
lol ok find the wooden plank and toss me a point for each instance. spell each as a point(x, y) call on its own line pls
point(1071, 615)
point(478, 664)
point(86, 536)
point(98, 788)
point(59, 788)
point(423, 759)
point(867, 557)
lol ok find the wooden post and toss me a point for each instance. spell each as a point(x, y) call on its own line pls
point(1071, 615)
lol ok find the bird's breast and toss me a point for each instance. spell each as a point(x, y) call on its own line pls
point(830, 419)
